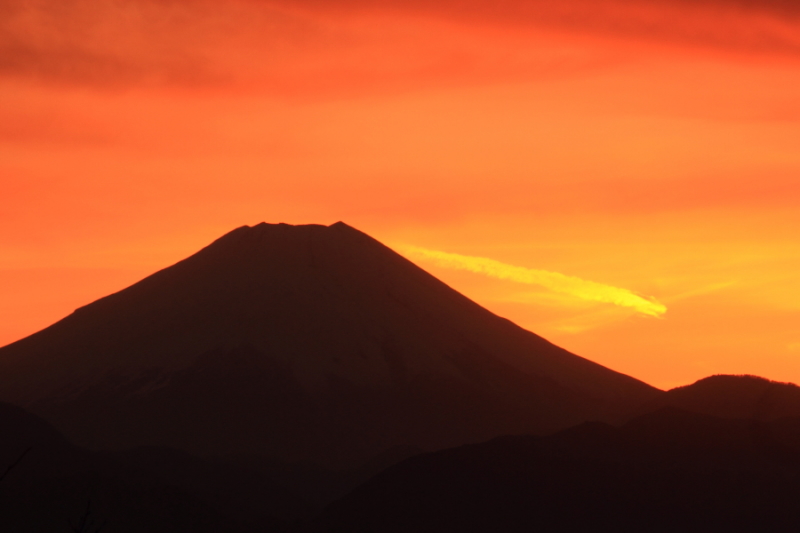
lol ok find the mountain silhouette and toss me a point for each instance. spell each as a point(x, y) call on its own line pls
point(728, 396)
point(670, 470)
point(300, 343)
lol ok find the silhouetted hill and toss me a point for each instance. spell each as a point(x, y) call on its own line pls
point(733, 397)
point(667, 471)
point(300, 343)
point(145, 489)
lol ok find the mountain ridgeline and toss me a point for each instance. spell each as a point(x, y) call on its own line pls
point(301, 343)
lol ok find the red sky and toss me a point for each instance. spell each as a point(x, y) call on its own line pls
point(648, 145)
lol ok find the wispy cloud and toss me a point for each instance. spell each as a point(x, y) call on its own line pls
point(701, 291)
point(287, 45)
point(555, 281)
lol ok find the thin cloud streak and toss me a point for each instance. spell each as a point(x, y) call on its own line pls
point(555, 281)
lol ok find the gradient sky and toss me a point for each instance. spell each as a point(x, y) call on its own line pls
point(651, 147)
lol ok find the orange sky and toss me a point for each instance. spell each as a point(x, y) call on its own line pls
point(648, 145)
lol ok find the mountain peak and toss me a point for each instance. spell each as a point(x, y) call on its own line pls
point(279, 236)
point(283, 226)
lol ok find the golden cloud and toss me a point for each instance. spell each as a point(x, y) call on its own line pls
point(555, 281)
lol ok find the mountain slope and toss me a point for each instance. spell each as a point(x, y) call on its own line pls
point(300, 343)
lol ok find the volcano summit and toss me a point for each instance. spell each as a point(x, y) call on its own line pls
point(300, 343)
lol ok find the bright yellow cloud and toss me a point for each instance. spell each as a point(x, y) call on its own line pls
point(580, 288)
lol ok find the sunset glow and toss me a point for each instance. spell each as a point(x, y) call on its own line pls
point(649, 147)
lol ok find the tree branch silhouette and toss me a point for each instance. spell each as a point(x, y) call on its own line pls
point(15, 463)
point(86, 522)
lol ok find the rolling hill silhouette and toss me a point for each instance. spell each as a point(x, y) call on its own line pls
point(144, 489)
point(746, 397)
point(300, 343)
point(666, 471)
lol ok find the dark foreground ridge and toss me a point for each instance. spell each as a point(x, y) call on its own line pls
point(666, 471)
point(669, 470)
point(300, 343)
point(151, 490)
